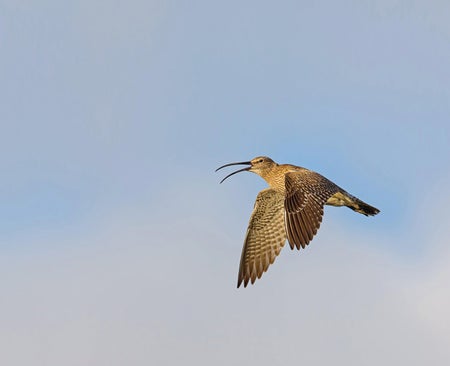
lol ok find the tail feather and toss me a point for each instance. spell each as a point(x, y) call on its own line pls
point(362, 207)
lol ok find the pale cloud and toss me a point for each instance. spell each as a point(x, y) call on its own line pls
point(141, 288)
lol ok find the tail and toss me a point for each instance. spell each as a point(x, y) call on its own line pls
point(361, 207)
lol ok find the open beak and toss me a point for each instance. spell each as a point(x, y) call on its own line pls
point(237, 171)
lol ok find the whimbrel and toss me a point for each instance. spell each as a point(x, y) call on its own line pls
point(291, 208)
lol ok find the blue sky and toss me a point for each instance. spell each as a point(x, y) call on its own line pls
point(120, 247)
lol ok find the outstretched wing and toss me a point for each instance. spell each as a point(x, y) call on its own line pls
point(306, 194)
point(265, 237)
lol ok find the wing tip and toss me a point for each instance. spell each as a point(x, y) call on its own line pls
point(241, 281)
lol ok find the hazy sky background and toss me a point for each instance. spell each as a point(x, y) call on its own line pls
point(119, 247)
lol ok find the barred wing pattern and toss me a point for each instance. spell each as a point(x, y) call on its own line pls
point(306, 194)
point(265, 237)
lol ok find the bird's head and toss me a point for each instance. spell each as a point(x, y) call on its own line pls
point(259, 165)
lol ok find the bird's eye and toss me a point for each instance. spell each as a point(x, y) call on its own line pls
point(260, 160)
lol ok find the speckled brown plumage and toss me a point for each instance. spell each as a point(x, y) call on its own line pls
point(292, 209)
point(265, 236)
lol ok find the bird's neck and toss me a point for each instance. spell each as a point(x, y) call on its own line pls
point(275, 177)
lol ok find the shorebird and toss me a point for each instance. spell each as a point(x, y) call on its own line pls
point(291, 208)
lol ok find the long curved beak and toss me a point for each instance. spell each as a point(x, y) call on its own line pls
point(237, 171)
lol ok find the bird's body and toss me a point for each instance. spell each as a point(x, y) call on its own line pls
point(291, 208)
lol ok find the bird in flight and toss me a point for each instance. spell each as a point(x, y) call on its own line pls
point(291, 208)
